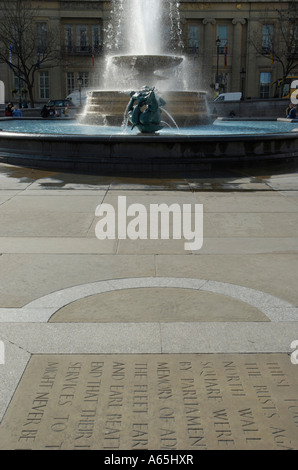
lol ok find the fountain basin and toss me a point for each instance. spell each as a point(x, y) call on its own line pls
point(188, 108)
point(135, 154)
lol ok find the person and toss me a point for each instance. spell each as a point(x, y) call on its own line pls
point(52, 112)
point(9, 109)
point(290, 106)
point(24, 104)
point(44, 112)
point(292, 114)
point(16, 111)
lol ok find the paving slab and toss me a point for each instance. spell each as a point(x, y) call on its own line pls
point(251, 201)
point(164, 402)
point(250, 224)
point(283, 182)
point(293, 193)
point(274, 273)
point(6, 195)
point(54, 203)
point(248, 245)
point(44, 223)
point(61, 245)
point(30, 276)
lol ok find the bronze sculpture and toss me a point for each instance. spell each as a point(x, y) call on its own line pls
point(144, 110)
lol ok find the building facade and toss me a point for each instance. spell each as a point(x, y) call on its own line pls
point(227, 43)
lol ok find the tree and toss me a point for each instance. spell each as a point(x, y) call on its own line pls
point(278, 40)
point(26, 44)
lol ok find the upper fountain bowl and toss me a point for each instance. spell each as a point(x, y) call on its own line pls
point(146, 63)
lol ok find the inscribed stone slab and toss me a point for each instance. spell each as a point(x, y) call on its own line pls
point(164, 402)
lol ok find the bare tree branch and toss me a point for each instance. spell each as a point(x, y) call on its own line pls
point(281, 44)
point(22, 47)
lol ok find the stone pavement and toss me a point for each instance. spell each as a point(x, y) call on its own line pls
point(140, 344)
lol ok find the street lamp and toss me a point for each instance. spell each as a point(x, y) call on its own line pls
point(242, 75)
point(80, 82)
point(218, 43)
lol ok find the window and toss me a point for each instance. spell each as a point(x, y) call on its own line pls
point(44, 90)
point(223, 82)
point(267, 38)
point(286, 90)
point(85, 78)
point(222, 34)
point(193, 36)
point(265, 80)
point(70, 82)
point(82, 38)
point(96, 40)
point(42, 35)
point(68, 32)
point(293, 38)
point(18, 83)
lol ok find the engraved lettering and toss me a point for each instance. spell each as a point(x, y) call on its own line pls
point(211, 382)
point(222, 427)
point(140, 435)
point(248, 424)
point(233, 379)
point(116, 395)
point(164, 385)
point(118, 371)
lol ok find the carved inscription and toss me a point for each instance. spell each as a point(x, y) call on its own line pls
point(166, 402)
point(194, 426)
point(38, 405)
point(233, 379)
point(140, 407)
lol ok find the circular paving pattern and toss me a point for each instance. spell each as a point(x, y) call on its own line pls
point(45, 308)
point(157, 305)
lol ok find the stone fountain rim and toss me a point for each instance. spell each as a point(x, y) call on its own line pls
point(11, 135)
point(119, 154)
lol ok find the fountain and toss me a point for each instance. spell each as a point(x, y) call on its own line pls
point(145, 61)
point(70, 145)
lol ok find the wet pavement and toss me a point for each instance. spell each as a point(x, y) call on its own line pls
point(148, 322)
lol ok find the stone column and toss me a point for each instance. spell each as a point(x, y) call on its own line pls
point(209, 45)
point(237, 54)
